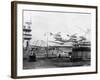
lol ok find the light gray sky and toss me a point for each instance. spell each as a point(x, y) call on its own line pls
point(67, 23)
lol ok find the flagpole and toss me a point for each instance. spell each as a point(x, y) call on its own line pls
point(47, 44)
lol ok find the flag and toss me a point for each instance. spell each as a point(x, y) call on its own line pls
point(44, 34)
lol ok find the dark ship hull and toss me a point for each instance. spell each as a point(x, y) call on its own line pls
point(81, 52)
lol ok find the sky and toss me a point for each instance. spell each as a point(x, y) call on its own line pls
point(65, 22)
